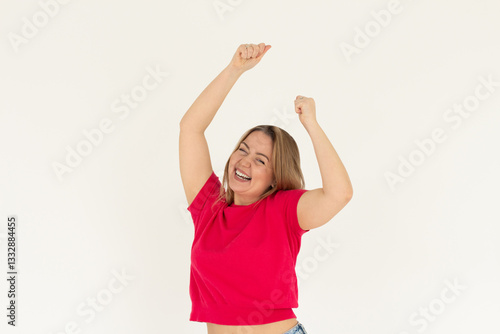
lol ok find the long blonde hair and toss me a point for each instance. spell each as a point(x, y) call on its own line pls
point(285, 163)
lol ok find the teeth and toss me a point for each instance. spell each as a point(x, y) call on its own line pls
point(242, 175)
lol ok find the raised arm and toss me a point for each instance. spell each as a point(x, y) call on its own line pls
point(317, 207)
point(194, 156)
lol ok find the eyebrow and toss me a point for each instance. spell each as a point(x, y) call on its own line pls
point(257, 153)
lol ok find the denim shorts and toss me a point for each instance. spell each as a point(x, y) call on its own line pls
point(297, 329)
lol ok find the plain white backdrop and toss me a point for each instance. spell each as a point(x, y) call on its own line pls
point(104, 237)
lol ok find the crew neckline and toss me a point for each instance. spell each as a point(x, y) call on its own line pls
point(243, 206)
point(253, 204)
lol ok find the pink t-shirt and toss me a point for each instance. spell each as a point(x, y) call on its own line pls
point(243, 258)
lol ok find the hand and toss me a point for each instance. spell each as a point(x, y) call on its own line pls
point(306, 108)
point(248, 55)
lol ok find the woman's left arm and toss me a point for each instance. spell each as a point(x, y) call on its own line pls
point(317, 207)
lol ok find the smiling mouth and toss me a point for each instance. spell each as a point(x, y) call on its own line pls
point(241, 176)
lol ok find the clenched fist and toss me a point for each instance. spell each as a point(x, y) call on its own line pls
point(306, 108)
point(248, 55)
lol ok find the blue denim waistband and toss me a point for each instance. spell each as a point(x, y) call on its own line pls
point(297, 329)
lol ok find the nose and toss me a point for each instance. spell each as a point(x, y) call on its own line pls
point(245, 161)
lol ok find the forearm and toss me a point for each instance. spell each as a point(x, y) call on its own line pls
point(203, 110)
point(336, 182)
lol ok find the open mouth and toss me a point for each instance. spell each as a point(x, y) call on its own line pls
point(241, 176)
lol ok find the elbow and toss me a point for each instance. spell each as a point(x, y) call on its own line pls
point(349, 194)
point(339, 198)
point(344, 196)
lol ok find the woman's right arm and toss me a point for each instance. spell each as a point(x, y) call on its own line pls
point(194, 156)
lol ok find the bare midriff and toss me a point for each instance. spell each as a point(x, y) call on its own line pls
point(278, 327)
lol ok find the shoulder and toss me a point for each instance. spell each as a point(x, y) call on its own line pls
point(315, 208)
point(289, 194)
point(288, 199)
point(209, 192)
point(212, 187)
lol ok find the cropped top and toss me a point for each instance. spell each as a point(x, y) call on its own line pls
point(243, 258)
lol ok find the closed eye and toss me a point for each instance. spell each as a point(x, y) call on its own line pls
point(262, 162)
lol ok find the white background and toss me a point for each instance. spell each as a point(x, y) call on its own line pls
point(122, 208)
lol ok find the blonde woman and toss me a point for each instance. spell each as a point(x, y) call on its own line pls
point(248, 227)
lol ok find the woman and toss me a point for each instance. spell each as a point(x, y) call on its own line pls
point(248, 228)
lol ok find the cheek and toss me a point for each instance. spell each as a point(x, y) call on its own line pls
point(264, 174)
point(232, 161)
point(235, 157)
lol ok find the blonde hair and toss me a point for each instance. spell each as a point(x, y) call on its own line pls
point(285, 163)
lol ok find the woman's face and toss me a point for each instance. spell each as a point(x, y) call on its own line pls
point(253, 159)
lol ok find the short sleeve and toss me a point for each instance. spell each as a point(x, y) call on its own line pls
point(206, 196)
point(291, 200)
